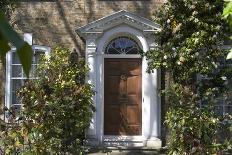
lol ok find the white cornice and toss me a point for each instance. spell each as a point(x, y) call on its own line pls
point(122, 17)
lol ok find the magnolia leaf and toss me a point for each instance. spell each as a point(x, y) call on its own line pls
point(8, 33)
point(23, 49)
point(4, 47)
point(25, 56)
point(229, 56)
point(227, 10)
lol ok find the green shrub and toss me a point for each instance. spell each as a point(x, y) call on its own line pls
point(190, 40)
point(57, 107)
point(193, 129)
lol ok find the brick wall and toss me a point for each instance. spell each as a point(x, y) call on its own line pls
point(53, 21)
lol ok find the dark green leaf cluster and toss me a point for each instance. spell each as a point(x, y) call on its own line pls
point(190, 40)
point(7, 7)
point(190, 45)
point(193, 129)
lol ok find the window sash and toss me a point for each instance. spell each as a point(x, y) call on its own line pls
point(19, 75)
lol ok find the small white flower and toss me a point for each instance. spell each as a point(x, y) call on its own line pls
point(223, 78)
point(196, 20)
point(214, 120)
point(194, 13)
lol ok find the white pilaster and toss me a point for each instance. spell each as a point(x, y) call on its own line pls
point(28, 38)
point(91, 79)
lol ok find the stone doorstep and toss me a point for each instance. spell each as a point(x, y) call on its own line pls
point(125, 151)
point(111, 142)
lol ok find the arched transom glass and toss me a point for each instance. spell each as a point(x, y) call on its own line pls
point(123, 45)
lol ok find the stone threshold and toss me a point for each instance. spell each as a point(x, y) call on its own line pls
point(125, 150)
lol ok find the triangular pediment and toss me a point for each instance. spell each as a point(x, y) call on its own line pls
point(118, 18)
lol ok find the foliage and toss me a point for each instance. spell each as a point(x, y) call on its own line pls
point(10, 132)
point(227, 14)
point(7, 7)
point(229, 56)
point(193, 129)
point(8, 35)
point(189, 45)
point(57, 108)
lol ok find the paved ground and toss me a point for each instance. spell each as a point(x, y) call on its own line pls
point(127, 153)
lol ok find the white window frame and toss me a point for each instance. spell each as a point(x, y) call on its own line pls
point(8, 81)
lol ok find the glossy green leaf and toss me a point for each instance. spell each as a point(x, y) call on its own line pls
point(8, 32)
point(23, 49)
point(25, 56)
point(4, 46)
point(227, 10)
point(229, 56)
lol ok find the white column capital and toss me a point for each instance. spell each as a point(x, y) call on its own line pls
point(150, 37)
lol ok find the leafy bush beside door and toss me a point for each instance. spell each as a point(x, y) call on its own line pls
point(57, 108)
point(190, 49)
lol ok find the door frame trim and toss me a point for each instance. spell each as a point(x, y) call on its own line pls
point(151, 103)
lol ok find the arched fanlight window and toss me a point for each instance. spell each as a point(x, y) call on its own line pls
point(123, 45)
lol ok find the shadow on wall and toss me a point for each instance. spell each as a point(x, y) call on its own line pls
point(53, 22)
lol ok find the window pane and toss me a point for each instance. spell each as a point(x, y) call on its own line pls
point(228, 99)
point(133, 51)
point(228, 61)
point(32, 71)
point(17, 108)
point(16, 71)
point(228, 109)
point(37, 56)
point(220, 100)
point(16, 84)
point(15, 99)
point(15, 58)
point(230, 84)
point(122, 45)
point(218, 110)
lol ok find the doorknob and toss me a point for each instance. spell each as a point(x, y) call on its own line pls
point(123, 77)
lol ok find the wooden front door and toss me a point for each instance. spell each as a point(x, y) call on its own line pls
point(122, 97)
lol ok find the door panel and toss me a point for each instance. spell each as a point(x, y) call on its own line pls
point(122, 97)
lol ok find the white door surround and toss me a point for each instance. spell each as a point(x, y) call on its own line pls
point(97, 35)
